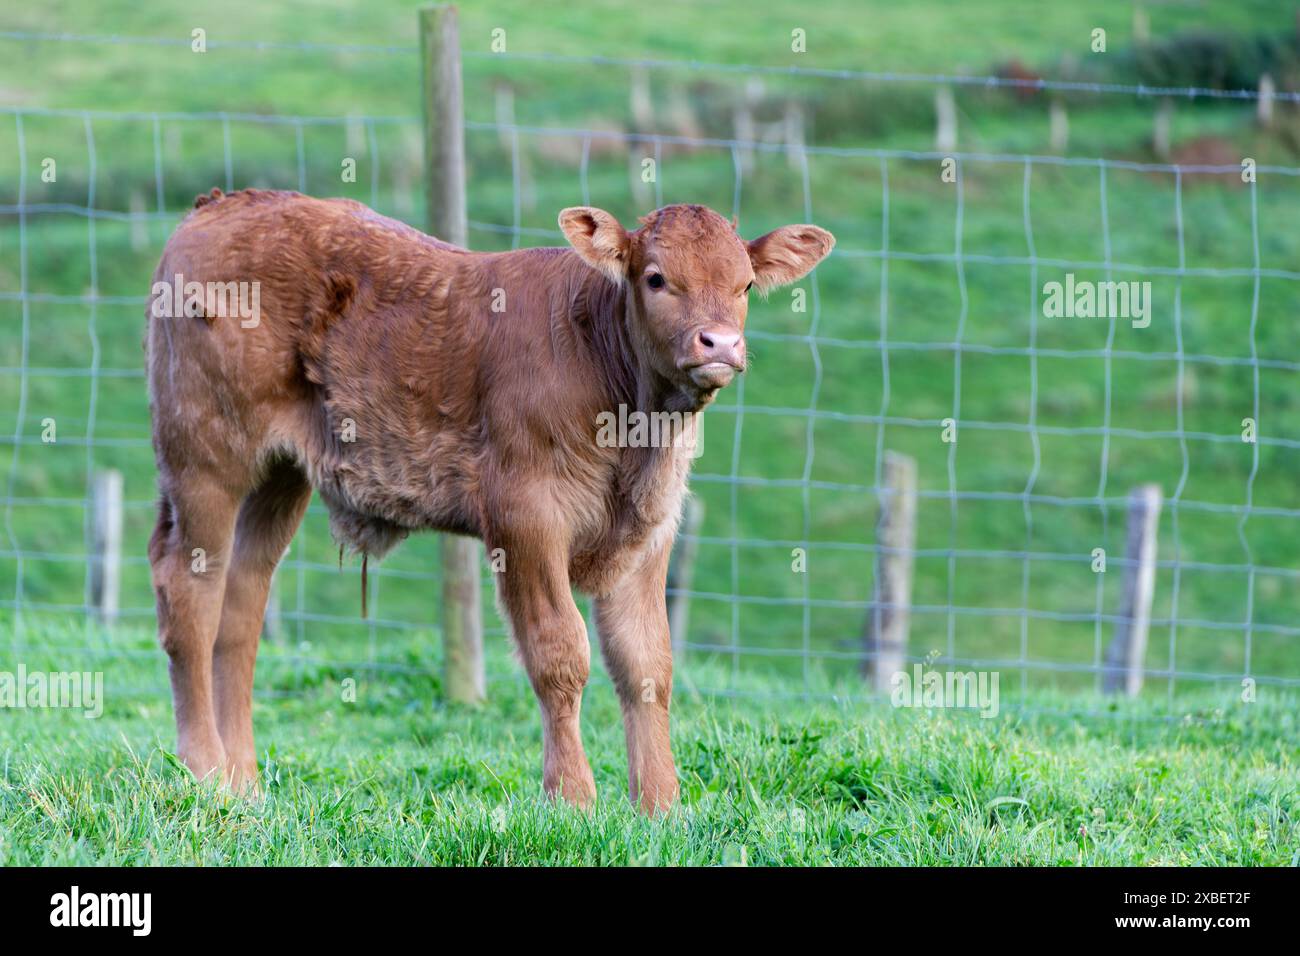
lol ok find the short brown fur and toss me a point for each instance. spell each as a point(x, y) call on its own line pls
point(465, 420)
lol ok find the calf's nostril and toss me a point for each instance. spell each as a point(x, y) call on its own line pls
point(719, 345)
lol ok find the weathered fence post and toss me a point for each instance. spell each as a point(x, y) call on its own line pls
point(503, 95)
point(271, 630)
point(643, 123)
point(462, 620)
point(743, 123)
point(1125, 659)
point(889, 616)
point(1059, 125)
point(444, 161)
point(503, 100)
point(106, 543)
point(681, 566)
point(1141, 24)
point(794, 133)
point(945, 120)
point(1163, 129)
point(139, 222)
point(1264, 108)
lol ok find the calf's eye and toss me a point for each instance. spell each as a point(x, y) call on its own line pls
point(655, 280)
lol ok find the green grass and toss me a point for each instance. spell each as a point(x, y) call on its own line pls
point(921, 300)
point(400, 778)
point(923, 304)
point(942, 36)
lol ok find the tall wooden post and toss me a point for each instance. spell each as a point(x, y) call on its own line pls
point(1125, 659)
point(680, 570)
point(1264, 107)
point(945, 120)
point(1059, 126)
point(890, 613)
point(1141, 24)
point(744, 125)
point(444, 162)
point(1162, 131)
point(106, 544)
point(794, 133)
point(271, 630)
point(643, 121)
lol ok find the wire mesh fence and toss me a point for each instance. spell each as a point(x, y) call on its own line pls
point(926, 333)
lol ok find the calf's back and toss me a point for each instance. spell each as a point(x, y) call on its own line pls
point(418, 385)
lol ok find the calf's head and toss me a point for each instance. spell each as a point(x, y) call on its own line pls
point(688, 276)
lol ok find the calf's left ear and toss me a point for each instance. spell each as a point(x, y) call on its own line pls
point(598, 238)
point(787, 254)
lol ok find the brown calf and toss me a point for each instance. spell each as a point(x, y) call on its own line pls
point(417, 385)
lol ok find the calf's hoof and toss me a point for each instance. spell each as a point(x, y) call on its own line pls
point(578, 789)
point(207, 764)
point(655, 796)
point(242, 779)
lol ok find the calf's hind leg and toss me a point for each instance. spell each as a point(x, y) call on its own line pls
point(188, 554)
point(267, 520)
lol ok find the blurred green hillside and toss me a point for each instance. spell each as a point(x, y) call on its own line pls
point(791, 453)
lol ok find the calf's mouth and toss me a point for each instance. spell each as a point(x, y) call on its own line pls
point(711, 376)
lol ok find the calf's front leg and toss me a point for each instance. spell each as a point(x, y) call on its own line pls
point(632, 621)
point(552, 639)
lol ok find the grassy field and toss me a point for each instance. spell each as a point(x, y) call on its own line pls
point(791, 453)
point(939, 36)
point(808, 412)
point(397, 778)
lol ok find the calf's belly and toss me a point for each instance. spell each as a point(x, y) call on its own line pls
point(375, 501)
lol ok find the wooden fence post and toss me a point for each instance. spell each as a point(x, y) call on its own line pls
point(1141, 24)
point(271, 630)
point(794, 133)
point(890, 613)
point(945, 120)
point(643, 122)
point(462, 620)
point(743, 123)
point(681, 567)
point(1126, 656)
point(1264, 108)
point(106, 544)
point(1162, 131)
point(139, 222)
point(444, 161)
point(1059, 125)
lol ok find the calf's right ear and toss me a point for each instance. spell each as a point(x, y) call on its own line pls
point(598, 238)
point(787, 254)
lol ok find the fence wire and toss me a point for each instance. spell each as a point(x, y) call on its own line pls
point(809, 646)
